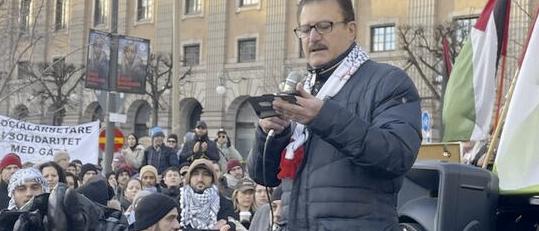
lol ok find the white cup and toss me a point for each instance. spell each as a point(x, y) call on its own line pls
point(245, 216)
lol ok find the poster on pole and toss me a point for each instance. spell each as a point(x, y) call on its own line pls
point(37, 143)
point(133, 55)
point(98, 60)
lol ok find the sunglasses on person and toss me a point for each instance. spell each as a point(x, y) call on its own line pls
point(171, 141)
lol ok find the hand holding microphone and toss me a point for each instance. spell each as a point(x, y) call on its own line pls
point(287, 91)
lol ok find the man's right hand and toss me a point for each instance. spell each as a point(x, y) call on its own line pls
point(276, 123)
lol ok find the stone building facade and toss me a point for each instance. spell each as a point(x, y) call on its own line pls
point(243, 47)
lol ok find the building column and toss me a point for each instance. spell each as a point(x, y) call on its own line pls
point(275, 46)
point(213, 105)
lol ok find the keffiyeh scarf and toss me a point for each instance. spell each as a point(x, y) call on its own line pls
point(22, 176)
point(292, 155)
point(199, 210)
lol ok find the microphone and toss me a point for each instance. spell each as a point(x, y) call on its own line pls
point(288, 87)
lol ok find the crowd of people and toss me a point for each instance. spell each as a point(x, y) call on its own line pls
point(201, 184)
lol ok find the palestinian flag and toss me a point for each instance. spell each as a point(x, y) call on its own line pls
point(470, 93)
point(517, 159)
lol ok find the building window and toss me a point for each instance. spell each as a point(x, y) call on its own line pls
point(247, 50)
point(463, 26)
point(248, 3)
point(60, 14)
point(100, 12)
point(383, 38)
point(191, 54)
point(193, 6)
point(144, 9)
point(24, 15)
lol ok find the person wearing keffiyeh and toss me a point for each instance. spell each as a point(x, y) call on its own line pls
point(340, 152)
point(201, 205)
point(24, 185)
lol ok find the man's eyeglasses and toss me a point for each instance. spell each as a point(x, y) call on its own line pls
point(323, 27)
point(222, 136)
point(171, 141)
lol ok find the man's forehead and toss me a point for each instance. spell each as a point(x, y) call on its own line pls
point(318, 11)
point(29, 183)
point(199, 170)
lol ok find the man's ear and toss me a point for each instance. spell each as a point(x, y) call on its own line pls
point(352, 29)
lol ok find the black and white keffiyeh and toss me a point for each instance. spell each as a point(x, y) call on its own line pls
point(199, 210)
point(333, 85)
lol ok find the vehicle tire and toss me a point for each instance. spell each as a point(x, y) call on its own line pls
point(411, 227)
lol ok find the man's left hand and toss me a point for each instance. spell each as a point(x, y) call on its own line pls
point(304, 111)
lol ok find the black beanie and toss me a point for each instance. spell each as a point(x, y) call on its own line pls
point(151, 208)
point(85, 168)
point(97, 190)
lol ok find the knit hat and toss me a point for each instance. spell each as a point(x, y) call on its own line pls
point(152, 208)
point(9, 159)
point(245, 184)
point(201, 163)
point(231, 164)
point(21, 177)
point(148, 168)
point(158, 134)
point(85, 168)
point(97, 190)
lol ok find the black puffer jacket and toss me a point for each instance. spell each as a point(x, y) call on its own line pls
point(362, 142)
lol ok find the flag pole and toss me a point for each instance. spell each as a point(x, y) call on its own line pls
point(500, 91)
point(499, 124)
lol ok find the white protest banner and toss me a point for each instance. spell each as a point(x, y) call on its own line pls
point(38, 143)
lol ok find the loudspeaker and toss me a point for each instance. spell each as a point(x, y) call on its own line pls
point(442, 196)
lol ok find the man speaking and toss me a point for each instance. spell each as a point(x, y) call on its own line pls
point(341, 151)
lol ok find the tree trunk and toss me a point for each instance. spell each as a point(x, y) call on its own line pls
point(155, 112)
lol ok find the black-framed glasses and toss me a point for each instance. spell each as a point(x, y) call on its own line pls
point(171, 141)
point(221, 136)
point(322, 27)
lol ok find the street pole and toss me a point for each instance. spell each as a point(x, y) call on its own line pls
point(175, 71)
point(111, 96)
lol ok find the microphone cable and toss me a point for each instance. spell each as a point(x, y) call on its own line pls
point(269, 137)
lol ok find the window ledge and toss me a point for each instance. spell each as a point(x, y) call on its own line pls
point(188, 16)
point(248, 7)
point(143, 21)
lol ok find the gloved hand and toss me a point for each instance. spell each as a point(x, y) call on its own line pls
point(82, 213)
point(29, 221)
point(56, 217)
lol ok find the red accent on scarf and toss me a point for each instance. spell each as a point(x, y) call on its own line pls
point(289, 168)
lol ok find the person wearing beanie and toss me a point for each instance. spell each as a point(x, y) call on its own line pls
point(227, 151)
point(97, 190)
point(158, 154)
point(61, 157)
point(86, 172)
point(172, 142)
point(148, 177)
point(24, 185)
point(200, 147)
point(156, 212)
point(9, 164)
point(234, 173)
point(202, 207)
